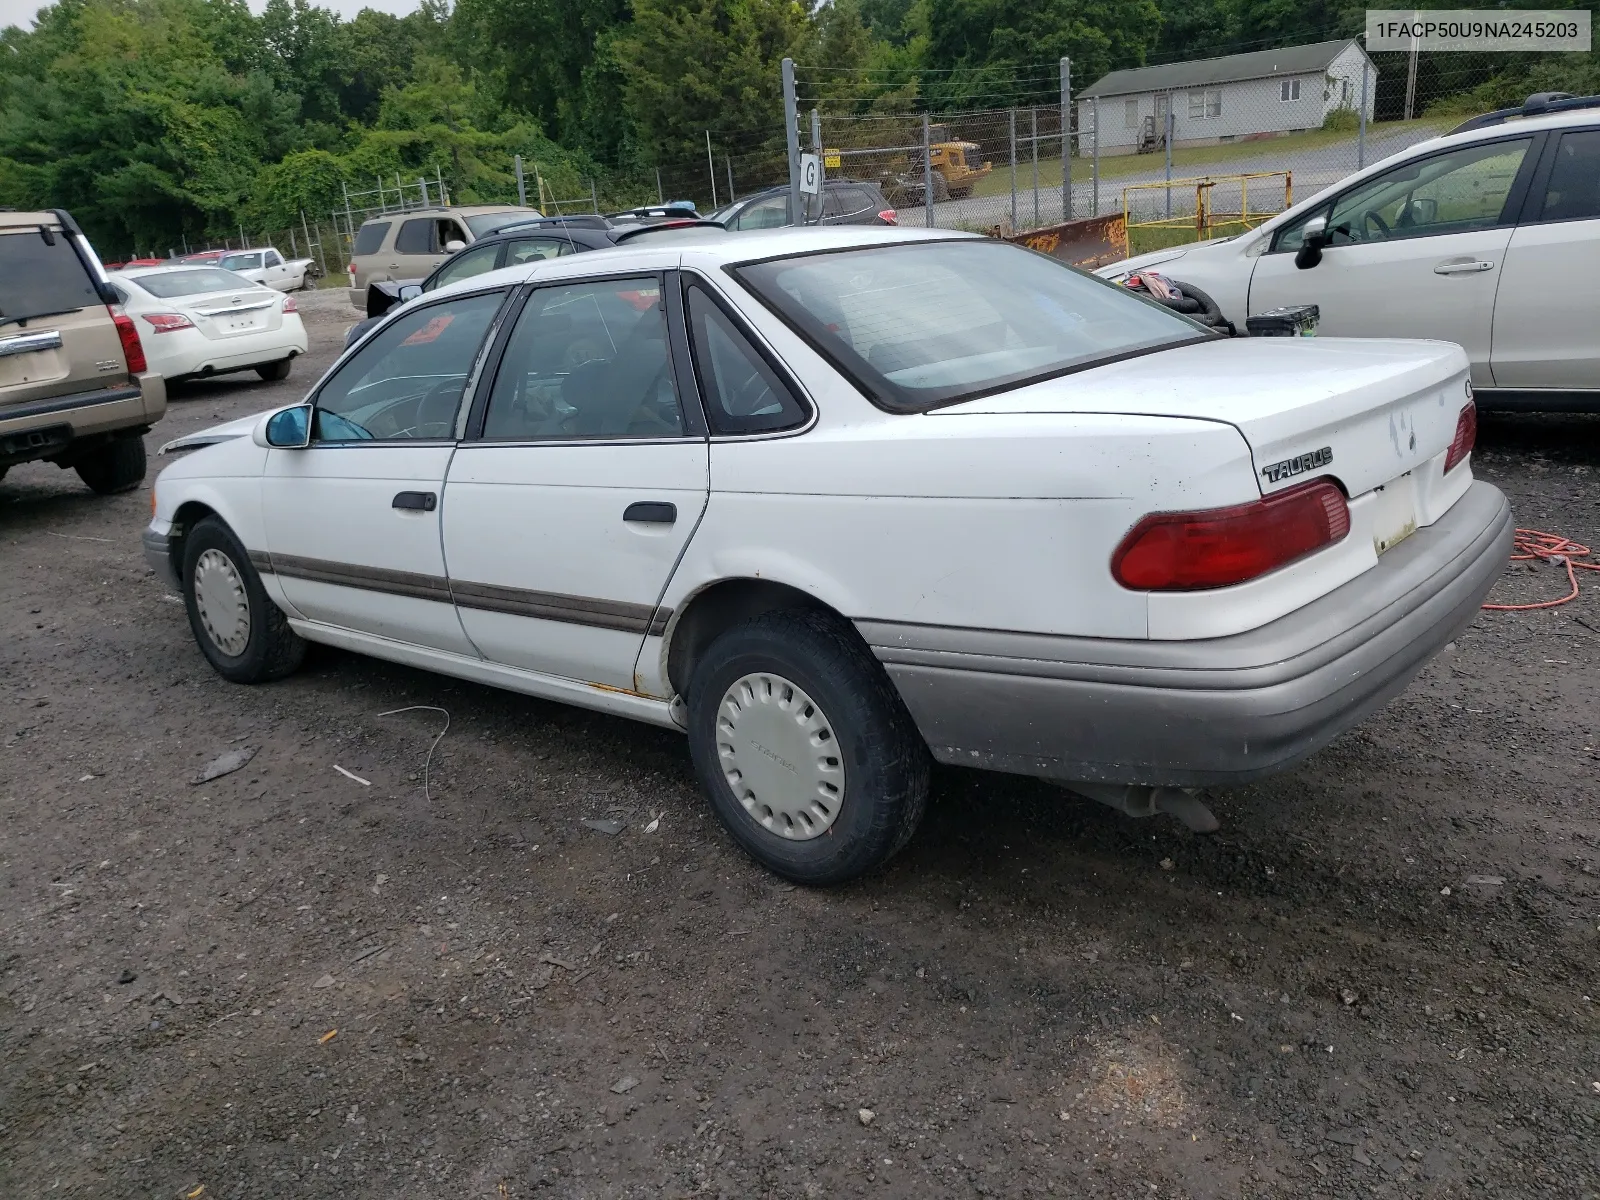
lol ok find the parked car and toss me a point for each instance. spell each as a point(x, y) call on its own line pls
point(547, 237)
point(75, 387)
point(844, 202)
point(1488, 237)
point(268, 266)
point(836, 501)
point(408, 245)
point(673, 210)
point(204, 321)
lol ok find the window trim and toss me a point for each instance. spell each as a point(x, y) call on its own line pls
point(1539, 184)
point(471, 434)
point(764, 351)
point(887, 404)
point(1517, 198)
point(469, 388)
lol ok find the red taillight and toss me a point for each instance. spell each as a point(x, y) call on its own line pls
point(129, 336)
point(289, 305)
point(889, 217)
point(167, 322)
point(1181, 552)
point(352, 269)
point(1466, 437)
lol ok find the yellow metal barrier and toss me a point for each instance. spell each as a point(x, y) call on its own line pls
point(1205, 219)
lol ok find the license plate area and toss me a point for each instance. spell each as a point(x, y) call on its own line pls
point(1394, 513)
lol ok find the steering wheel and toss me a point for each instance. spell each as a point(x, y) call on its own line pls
point(1372, 216)
point(448, 426)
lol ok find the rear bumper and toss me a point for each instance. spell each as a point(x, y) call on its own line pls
point(1217, 711)
point(133, 405)
point(358, 298)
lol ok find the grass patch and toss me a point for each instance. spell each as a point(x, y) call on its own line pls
point(1144, 238)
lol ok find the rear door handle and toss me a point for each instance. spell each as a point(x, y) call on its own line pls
point(417, 501)
point(1463, 268)
point(651, 512)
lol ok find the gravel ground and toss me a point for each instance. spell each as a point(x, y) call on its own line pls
point(1378, 980)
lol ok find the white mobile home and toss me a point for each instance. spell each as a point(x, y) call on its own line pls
point(1237, 98)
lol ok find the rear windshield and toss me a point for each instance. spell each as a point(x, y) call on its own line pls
point(485, 223)
point(170, 284)
point(919, 324)
point(38, 279)
point(369, 238)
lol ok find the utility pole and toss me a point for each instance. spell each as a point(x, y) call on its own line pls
point(822, 173)
point(1094, 149)
point(791, 117)
point(927, 175)
point(711, 170)
point(1411, 81)
point(1066, 139)
point(522, 185)
point(1361, 134)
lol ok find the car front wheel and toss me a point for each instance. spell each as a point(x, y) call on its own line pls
point(805, 748)
point(242, 633)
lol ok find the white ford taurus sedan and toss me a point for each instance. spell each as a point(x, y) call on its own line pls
point(839, 502)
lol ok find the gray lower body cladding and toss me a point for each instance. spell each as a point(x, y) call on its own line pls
point(1216, 711)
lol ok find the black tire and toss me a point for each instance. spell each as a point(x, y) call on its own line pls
point(116, 466)
point(886, 762)
point(272, 650)
point(274, 371)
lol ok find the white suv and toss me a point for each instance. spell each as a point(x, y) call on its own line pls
point(1488, 237)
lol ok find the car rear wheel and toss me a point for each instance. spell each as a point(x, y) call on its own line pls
point(116, 466)
point(805, 748)
point(242, 633)
point(275, 370)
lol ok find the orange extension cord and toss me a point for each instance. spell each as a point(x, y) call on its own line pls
point(1552, 547)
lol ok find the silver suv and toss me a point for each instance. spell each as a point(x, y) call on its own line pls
point(409, 245)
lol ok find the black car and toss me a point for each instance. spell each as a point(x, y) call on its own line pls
point(544, 237)
point(844, 202)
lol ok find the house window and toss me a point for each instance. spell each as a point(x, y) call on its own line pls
point(1130, 114)
point(1289, 89)
point(1205, 106)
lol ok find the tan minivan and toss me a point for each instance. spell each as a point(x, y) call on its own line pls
point(409, 245)
point(74, 386)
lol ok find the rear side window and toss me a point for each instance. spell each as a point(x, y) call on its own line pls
point(369, 238)
point(415, 237)
point(743, 393)
point(39, 279)
point(1573, 193)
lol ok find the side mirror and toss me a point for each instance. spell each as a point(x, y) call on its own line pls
point(410, 291)
point(1313, 237)
point(286, 429)
point(453, 245)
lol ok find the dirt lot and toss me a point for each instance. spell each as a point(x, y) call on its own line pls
point(1379, 979)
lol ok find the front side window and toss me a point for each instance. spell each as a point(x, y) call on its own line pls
point(415, 237)
point(1455, 192)
point(369, 238)
point(1573, 193)
point(407, 379)
point(921, 324)
point(448, 231)
point(274, 259)
point(587, 360)
point(465, 265)
point(743, 394)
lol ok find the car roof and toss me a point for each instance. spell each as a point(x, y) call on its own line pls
point(455, 210)
point(703, 247)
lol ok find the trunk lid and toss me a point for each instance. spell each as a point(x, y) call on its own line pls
point(232, 314)
point(1364, 411)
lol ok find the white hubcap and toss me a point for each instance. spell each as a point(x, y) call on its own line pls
point(223, 603)
point(780, 756)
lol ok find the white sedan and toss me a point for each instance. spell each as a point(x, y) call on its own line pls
point(203, 321)
point(840, 502)
point(1488, 237)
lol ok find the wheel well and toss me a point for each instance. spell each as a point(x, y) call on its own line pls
point(722, 605)
point(189, 514)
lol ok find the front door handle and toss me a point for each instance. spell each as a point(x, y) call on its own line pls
point(651, 512)
point(416, 501)
point(1463, 268)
